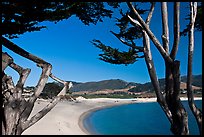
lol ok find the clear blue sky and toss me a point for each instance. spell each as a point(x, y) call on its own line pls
point(66, 45)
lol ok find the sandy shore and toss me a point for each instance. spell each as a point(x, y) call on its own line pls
point(66, 117)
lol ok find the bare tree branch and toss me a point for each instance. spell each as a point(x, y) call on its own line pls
point(57, 79)
point(41, 113)
point(6, 60)
point(46, 71)
point(134, 21)
point(23, 76)
point(153, 77)
point(14, 94)
point(176, 30)
point(151, 68)
point(150, 34)
point(174, 109)
point(149, 17)
point(13, 47)
point(165, 40)
point(197, 112)
point(46, 109)
point(133, 45)
point(165, 35)
point(190, 55)
point(65, 84)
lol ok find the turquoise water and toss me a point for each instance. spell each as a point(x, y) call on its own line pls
point(135, 119)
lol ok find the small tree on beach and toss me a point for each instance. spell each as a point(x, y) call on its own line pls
point(24, 16)
point(133, 26)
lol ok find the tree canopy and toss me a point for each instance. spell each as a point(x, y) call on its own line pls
point(23, 16)
point(129, 32)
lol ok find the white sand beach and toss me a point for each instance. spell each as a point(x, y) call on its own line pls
point(66, 117)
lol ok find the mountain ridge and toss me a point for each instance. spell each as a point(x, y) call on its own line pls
point(113, 84)
point(102, 85)
point(121, 84)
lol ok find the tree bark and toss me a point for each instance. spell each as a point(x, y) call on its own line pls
point(172, 106)
point(156, 42)
point(176, 30)
point(6, 60)
point(153, 77)
point(16, 109)
point(165, 36)
point(46, 109)
point(165, 40)
point(196, 112)
point(13, 47)
point(132, 45)
point(179, 114)
point(151, 68)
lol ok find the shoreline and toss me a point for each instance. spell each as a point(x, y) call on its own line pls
point(66, 118)
point(88, 113)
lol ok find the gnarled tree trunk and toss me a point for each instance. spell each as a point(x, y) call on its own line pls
point(170, 101)
point(16, 108)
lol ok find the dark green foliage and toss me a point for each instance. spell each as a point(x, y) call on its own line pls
point(128, 33)
point(114, 4)
point(23, 16)
point(111, 95)
point(114, 56)
point(51, 90)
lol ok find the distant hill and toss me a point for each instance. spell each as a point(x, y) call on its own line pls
point(196, 82)
point(101, 85)
point(52, 89)
point(61, 85)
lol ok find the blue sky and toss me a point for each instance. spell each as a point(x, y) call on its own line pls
point(66, 45)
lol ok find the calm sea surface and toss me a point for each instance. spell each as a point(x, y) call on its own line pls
point(135, 119)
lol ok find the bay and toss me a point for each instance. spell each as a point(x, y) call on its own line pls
point(135, 119)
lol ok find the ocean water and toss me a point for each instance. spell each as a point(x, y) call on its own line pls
point(135, 119)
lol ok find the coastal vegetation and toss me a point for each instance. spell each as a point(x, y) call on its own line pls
point(121, 95)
